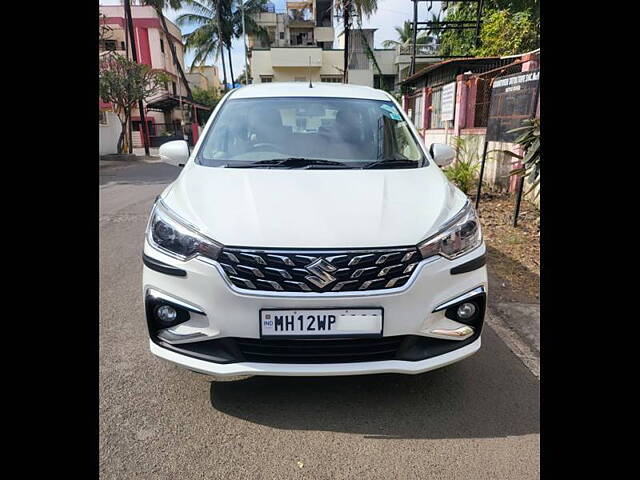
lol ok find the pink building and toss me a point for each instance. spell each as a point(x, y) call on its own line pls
point(165, 120)
point(472, 78)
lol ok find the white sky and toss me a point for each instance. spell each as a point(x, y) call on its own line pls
point(390, 13)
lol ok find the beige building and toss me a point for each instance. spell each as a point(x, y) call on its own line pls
point(205, 77)
point(301, 47)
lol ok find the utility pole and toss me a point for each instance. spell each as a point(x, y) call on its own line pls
point(346, 20)
point(134, 54)
point(220, 46)
point(478, 22)
point(414, 46)
point(246, 56)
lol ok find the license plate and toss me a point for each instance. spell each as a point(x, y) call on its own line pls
point(363, 322)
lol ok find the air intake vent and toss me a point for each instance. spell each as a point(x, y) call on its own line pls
point(319, 351)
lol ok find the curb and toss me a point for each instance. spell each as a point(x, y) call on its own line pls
point(528, 356)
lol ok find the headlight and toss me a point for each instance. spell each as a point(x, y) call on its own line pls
point(459, 236)
point(174, 236)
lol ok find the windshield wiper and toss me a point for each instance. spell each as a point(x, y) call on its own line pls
point(392, 161)
point(291, 162)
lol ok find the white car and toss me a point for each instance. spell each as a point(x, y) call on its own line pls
point(311, 232)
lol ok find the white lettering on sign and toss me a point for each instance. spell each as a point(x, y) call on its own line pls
point(525, 77)
point(448, 101)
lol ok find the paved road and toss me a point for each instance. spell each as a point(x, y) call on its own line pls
point(477, 419)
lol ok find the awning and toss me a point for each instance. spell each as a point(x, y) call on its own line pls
point(169, 102)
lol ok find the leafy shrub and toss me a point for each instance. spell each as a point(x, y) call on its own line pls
point(529, 141)
point(464, 171)
point(463, 174)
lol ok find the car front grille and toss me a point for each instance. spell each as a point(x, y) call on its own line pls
point(319, 351)
point(319, 270)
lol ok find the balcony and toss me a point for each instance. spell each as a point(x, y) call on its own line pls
point(324, 34)
point(300, 14)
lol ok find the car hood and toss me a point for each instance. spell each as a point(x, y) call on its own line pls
point(314, 208)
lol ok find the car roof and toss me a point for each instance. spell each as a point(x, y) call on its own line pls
point(302, 89)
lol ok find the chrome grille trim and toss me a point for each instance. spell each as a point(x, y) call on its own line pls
point(283, 258)
point(392, 283)
point(255, 258)
point(318, 271)
point(231, 257)
point(280, 271)
point(256, 272)
point(272, 283)
point(301, 285)
point(247, 283)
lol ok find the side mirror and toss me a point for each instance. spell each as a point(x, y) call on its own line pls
point(174, 153)
point(442, 154)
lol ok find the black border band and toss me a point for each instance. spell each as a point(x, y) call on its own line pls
point(470, 265)
point(161, 267)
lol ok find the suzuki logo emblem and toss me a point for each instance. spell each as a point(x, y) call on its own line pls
point(321, 270)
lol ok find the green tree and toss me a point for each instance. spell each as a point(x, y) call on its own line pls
point(123, 83)
point(458, 42)
point(508, 27)
point(206, 97)
point(405, 36)
point(242, 78)
point(348, 9)
point(506, 33)
point(435, 32)
point(217, 23)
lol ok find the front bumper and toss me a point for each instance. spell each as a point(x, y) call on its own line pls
point(222, 311)
point(326, 369)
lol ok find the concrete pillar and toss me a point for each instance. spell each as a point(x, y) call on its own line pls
point(460, 116)
point(194, 125)
point(530, 62)
point(472, 92)
point(425, 112)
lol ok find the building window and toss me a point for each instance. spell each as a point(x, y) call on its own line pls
point(281, 35)
point(122, 46)
point(102, 118)
point(266, 78)
point(331, 78)
point(151, 128)
point(436, 98)
point(161, 46)
point(419, 121)
point(173, 85)
point(300, 79)
point(384, 82)
point(109, 45)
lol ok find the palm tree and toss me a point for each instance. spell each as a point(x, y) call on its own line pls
point(435, 32)
point(251, 8)
point(218, 22)
point(158, 6)
point(205, 38)
point(349, 8)
point(405, 36)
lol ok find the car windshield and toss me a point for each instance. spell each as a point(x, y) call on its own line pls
point(304, 132)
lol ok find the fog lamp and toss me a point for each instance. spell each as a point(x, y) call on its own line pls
point(466, 310)
point(166, 313)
